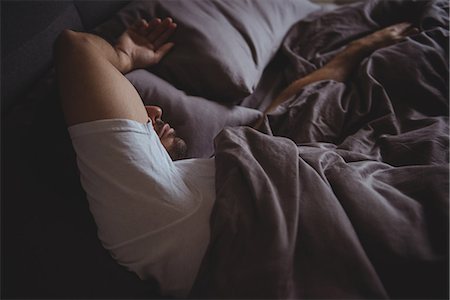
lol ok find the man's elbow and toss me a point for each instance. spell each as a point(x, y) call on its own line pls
point(64, 39)
point(68, 42)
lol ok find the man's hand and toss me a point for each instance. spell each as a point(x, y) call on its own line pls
point(145, 44)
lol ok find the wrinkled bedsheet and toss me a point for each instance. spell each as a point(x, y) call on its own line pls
point(347, 194)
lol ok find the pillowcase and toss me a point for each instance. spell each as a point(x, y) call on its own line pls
point(196, 120)
point(222, 47)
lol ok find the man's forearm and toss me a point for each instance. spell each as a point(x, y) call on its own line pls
point(338, 69)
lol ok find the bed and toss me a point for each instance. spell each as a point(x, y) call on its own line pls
point(342, 194)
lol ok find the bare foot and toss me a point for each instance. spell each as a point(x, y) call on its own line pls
point(387, 36)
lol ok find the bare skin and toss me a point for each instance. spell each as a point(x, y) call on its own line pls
point(91, 82)
point(344, 63)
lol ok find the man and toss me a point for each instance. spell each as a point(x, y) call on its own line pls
point(152, 213)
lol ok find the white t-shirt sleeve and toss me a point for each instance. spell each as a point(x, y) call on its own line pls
point(151, 213)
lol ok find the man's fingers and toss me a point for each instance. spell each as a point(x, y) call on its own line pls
point(162, 51)
point(406, 25)
point(139, 25)
point(165, 36)
point(158, 30)
point(142, 26)
point(152, 25)
point(411, 31)
point(407, 29)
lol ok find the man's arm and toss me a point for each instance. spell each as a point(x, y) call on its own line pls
point(343, 64)
point(89, 71)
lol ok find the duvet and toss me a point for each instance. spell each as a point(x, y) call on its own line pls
point(345, 194)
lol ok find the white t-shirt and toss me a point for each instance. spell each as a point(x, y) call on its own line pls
point(152, 213)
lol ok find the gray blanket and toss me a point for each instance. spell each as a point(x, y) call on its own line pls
point(350, 198)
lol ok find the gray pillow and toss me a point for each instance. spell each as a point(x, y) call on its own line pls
point(222, 47)
point(195, 119)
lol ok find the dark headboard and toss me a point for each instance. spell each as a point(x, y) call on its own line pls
point(28, 31)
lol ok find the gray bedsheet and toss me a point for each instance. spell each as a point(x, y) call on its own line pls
point(349, 199)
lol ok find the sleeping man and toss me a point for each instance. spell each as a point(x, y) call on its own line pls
point(152, 213)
